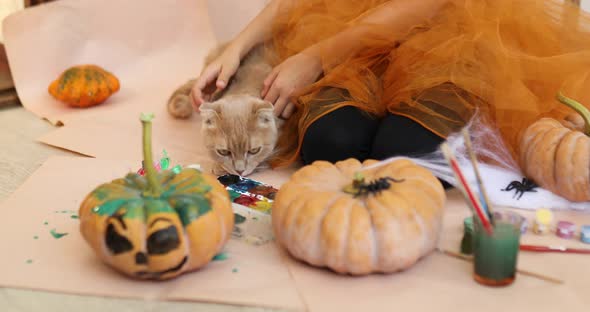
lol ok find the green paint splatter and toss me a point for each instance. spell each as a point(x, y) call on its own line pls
point(45, 223)
point(29, 261)
point(35, 237)
point(234, 270)
point(165, 161)
point(177, 169)
point(189, 208)
point(221, 256)
point(57, 235)
point(255, 218)
point(74, 217)
point(238, 218)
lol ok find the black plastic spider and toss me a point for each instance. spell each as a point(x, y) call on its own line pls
point(521, 187)
point(375, 187)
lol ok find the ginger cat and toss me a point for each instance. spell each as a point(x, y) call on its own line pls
point(239, 129)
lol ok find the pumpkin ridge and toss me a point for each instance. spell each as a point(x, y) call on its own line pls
point(292, 216)
point(374, 238)
point(534, 170)
point(377, 241)
point(409, 207)
point(581, 180)
point(319, 229)
point(300, 228)
point(548, 145)
point(566, 150)
point(554, 160)
point(340, 261)
point(393, 226)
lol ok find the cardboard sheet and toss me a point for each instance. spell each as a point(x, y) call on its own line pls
point(33, 258)
point(152, 46)
point(266, 275)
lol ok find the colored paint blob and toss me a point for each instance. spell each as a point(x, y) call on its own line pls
point(233, 195)
point(565, 229)
point(234, 270)
point(35, 237)
point(245, 185)
point(263, 205)
point(29, 261)
point(238, 218)
point(57, 235)
point(245, 201)
point(264, 190)
point(229, 179)
point(45, 223)
point(585, 234)
point(221, 257)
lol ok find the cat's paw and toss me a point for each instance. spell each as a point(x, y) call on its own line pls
point(180, 106)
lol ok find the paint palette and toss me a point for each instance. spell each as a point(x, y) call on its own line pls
point(251, 226)
point(247, 192)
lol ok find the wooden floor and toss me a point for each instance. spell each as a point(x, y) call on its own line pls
point(20, 156)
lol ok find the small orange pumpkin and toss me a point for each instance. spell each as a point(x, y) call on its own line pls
point(160, 225)
point(556, 153)
point(84, 86)
point(382, 220)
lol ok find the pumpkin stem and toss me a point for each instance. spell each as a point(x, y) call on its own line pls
point(154, 189)
point(357, 181)
point(579, 108)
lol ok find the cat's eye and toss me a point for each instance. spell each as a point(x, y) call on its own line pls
point(223, 152)
point(254, 151)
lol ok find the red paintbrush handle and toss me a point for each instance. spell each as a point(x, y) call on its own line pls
point(553, 249)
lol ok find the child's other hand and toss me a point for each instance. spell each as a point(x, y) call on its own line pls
point(296, 72)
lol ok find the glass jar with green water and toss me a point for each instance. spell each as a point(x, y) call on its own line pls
point(496, 254)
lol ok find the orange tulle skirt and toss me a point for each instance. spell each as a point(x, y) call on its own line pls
point(506, 59)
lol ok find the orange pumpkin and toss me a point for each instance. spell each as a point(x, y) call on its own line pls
point(556, 153)
point(160, 225)
point(84, 86)
point(359, 222)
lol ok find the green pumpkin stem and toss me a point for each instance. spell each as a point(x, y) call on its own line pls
point(150, 171)
point(579, 108)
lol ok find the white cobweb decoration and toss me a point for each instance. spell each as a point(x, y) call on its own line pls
point(497, 172)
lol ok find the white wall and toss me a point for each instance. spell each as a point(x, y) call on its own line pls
point(8, 7)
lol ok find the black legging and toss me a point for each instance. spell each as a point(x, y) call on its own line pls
point(348, 132)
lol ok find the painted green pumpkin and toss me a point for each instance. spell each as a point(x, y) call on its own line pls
point(160, 225)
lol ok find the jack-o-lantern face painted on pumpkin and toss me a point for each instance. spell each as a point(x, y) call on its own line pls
point(160, 225)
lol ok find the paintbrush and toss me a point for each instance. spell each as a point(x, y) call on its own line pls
point(559, 249)
point(520, 271)
point(470, 197)
point(480, 185)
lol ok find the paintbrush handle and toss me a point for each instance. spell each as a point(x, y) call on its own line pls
point(521, 271)
point(534, 248)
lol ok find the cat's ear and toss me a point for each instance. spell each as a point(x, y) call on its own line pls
point(210, 114)
point(265, 115)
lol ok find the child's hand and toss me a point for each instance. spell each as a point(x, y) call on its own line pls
point(215, 76)
point(294, 73)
